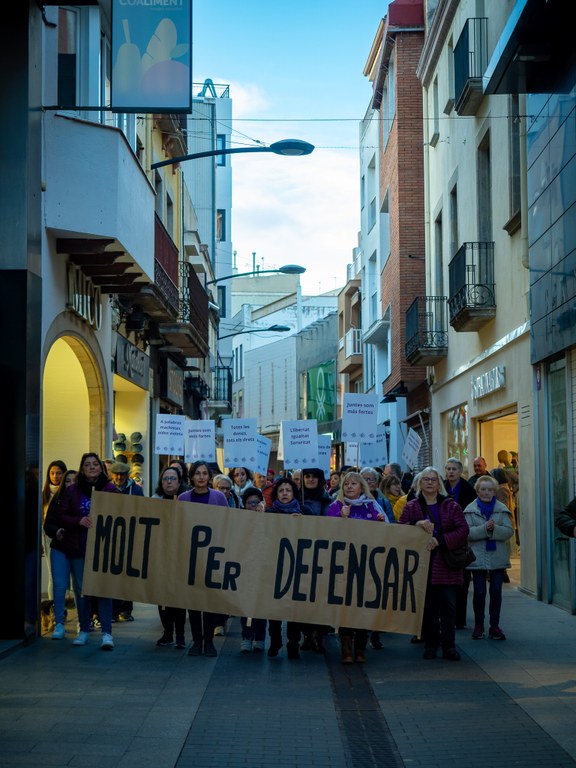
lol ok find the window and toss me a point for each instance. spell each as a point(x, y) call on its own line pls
point(372, 214)
point(514, 154)
point(362, 191)
point(454, 237)
point(221, 144)
point(438, 261)
point(484, 182)
point(221, 224)
point(68, 24)
point(435, 117)
point(222, 303)
point(170, 216)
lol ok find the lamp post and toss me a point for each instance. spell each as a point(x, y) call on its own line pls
point(288, 269)
point(273, 328)
point(290, 147)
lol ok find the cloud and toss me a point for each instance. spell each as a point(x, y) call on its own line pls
point(301, 210)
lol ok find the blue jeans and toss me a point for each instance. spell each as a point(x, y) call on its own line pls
point(479, 599)
point(61, 567)
point(84, 603)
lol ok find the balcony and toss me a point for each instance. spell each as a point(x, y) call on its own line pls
point(190, 331)
point(472, 301)
point(98, 203)
point(426, 330)
point(470, 61)
point(350, 351)
point(196, 387)
point(221, 400)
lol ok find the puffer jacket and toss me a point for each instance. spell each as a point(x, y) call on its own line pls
point(454, 530)
point(489, 560)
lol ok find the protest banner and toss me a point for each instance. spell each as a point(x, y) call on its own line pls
point(359, 416)
point(240, 443)
point(299, 443)
point(333, 571)
point(411, 448)
point(169, 437)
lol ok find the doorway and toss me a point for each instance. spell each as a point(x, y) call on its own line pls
point(497, 433)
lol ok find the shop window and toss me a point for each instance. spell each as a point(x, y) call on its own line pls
point(457, 433)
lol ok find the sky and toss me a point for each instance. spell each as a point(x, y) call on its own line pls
point(295, 70)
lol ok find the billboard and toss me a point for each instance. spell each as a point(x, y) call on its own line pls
point(151, 56)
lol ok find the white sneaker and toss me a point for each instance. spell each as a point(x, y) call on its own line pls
point(81, 638)
point(107, 643)
point(259, 645)
point(59, 632)
point(246, 646)
point(218, 631)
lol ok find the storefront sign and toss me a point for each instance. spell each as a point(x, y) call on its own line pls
point(173, 383)
point(131, 363)
point(84, 297)
point(488, 382)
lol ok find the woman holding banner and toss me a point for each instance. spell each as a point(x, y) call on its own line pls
point(74, 518)
point(170, 486)
point(203, 623)
point(443, 520)
point(355, 502)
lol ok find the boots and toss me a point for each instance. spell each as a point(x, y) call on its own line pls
point(360, 652)
point(346, 643)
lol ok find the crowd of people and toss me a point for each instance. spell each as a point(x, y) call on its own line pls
point(450, 510)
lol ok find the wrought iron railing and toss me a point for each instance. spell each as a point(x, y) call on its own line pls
point(193, 301)
point(471, 277)
point(223, 384)
point(470, 56)
point(426, 325)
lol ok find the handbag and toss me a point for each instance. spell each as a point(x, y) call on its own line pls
point(455, 559)
point(459, 558)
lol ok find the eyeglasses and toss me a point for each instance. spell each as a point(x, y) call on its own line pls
point(170, 479)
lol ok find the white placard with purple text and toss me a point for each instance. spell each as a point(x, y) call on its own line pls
point(324, 450)
point(359, 418)
point(411, 448)
point(240, 443)
point(263, 447)
point(169, 437)
point(300, 443)
point(375, 454)
point(352, 454)
point(200, 440)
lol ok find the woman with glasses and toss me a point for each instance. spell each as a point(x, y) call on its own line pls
point(224, 484)
point(202, 623)
point(442, 519)
point(173, 620)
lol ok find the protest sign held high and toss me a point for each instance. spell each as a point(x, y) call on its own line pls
point(244, 563)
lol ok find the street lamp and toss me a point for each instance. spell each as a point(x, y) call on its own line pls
point(273, 328)
point(291, 147)
point(288, 269)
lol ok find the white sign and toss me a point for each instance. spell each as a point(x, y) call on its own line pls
point(488, 382)
point(300, 443)
point(324, 449)
point(263, 446)
point(359, 418)
point(200, 440)
point(240, 443)
point(411, 448)
point(352, 454)
point(375, 454)
point(169, 437)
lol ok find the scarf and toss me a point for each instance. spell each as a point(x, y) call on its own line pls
point(486, 510)
point(454, 492)
point(363, 499)
point(287, 509)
